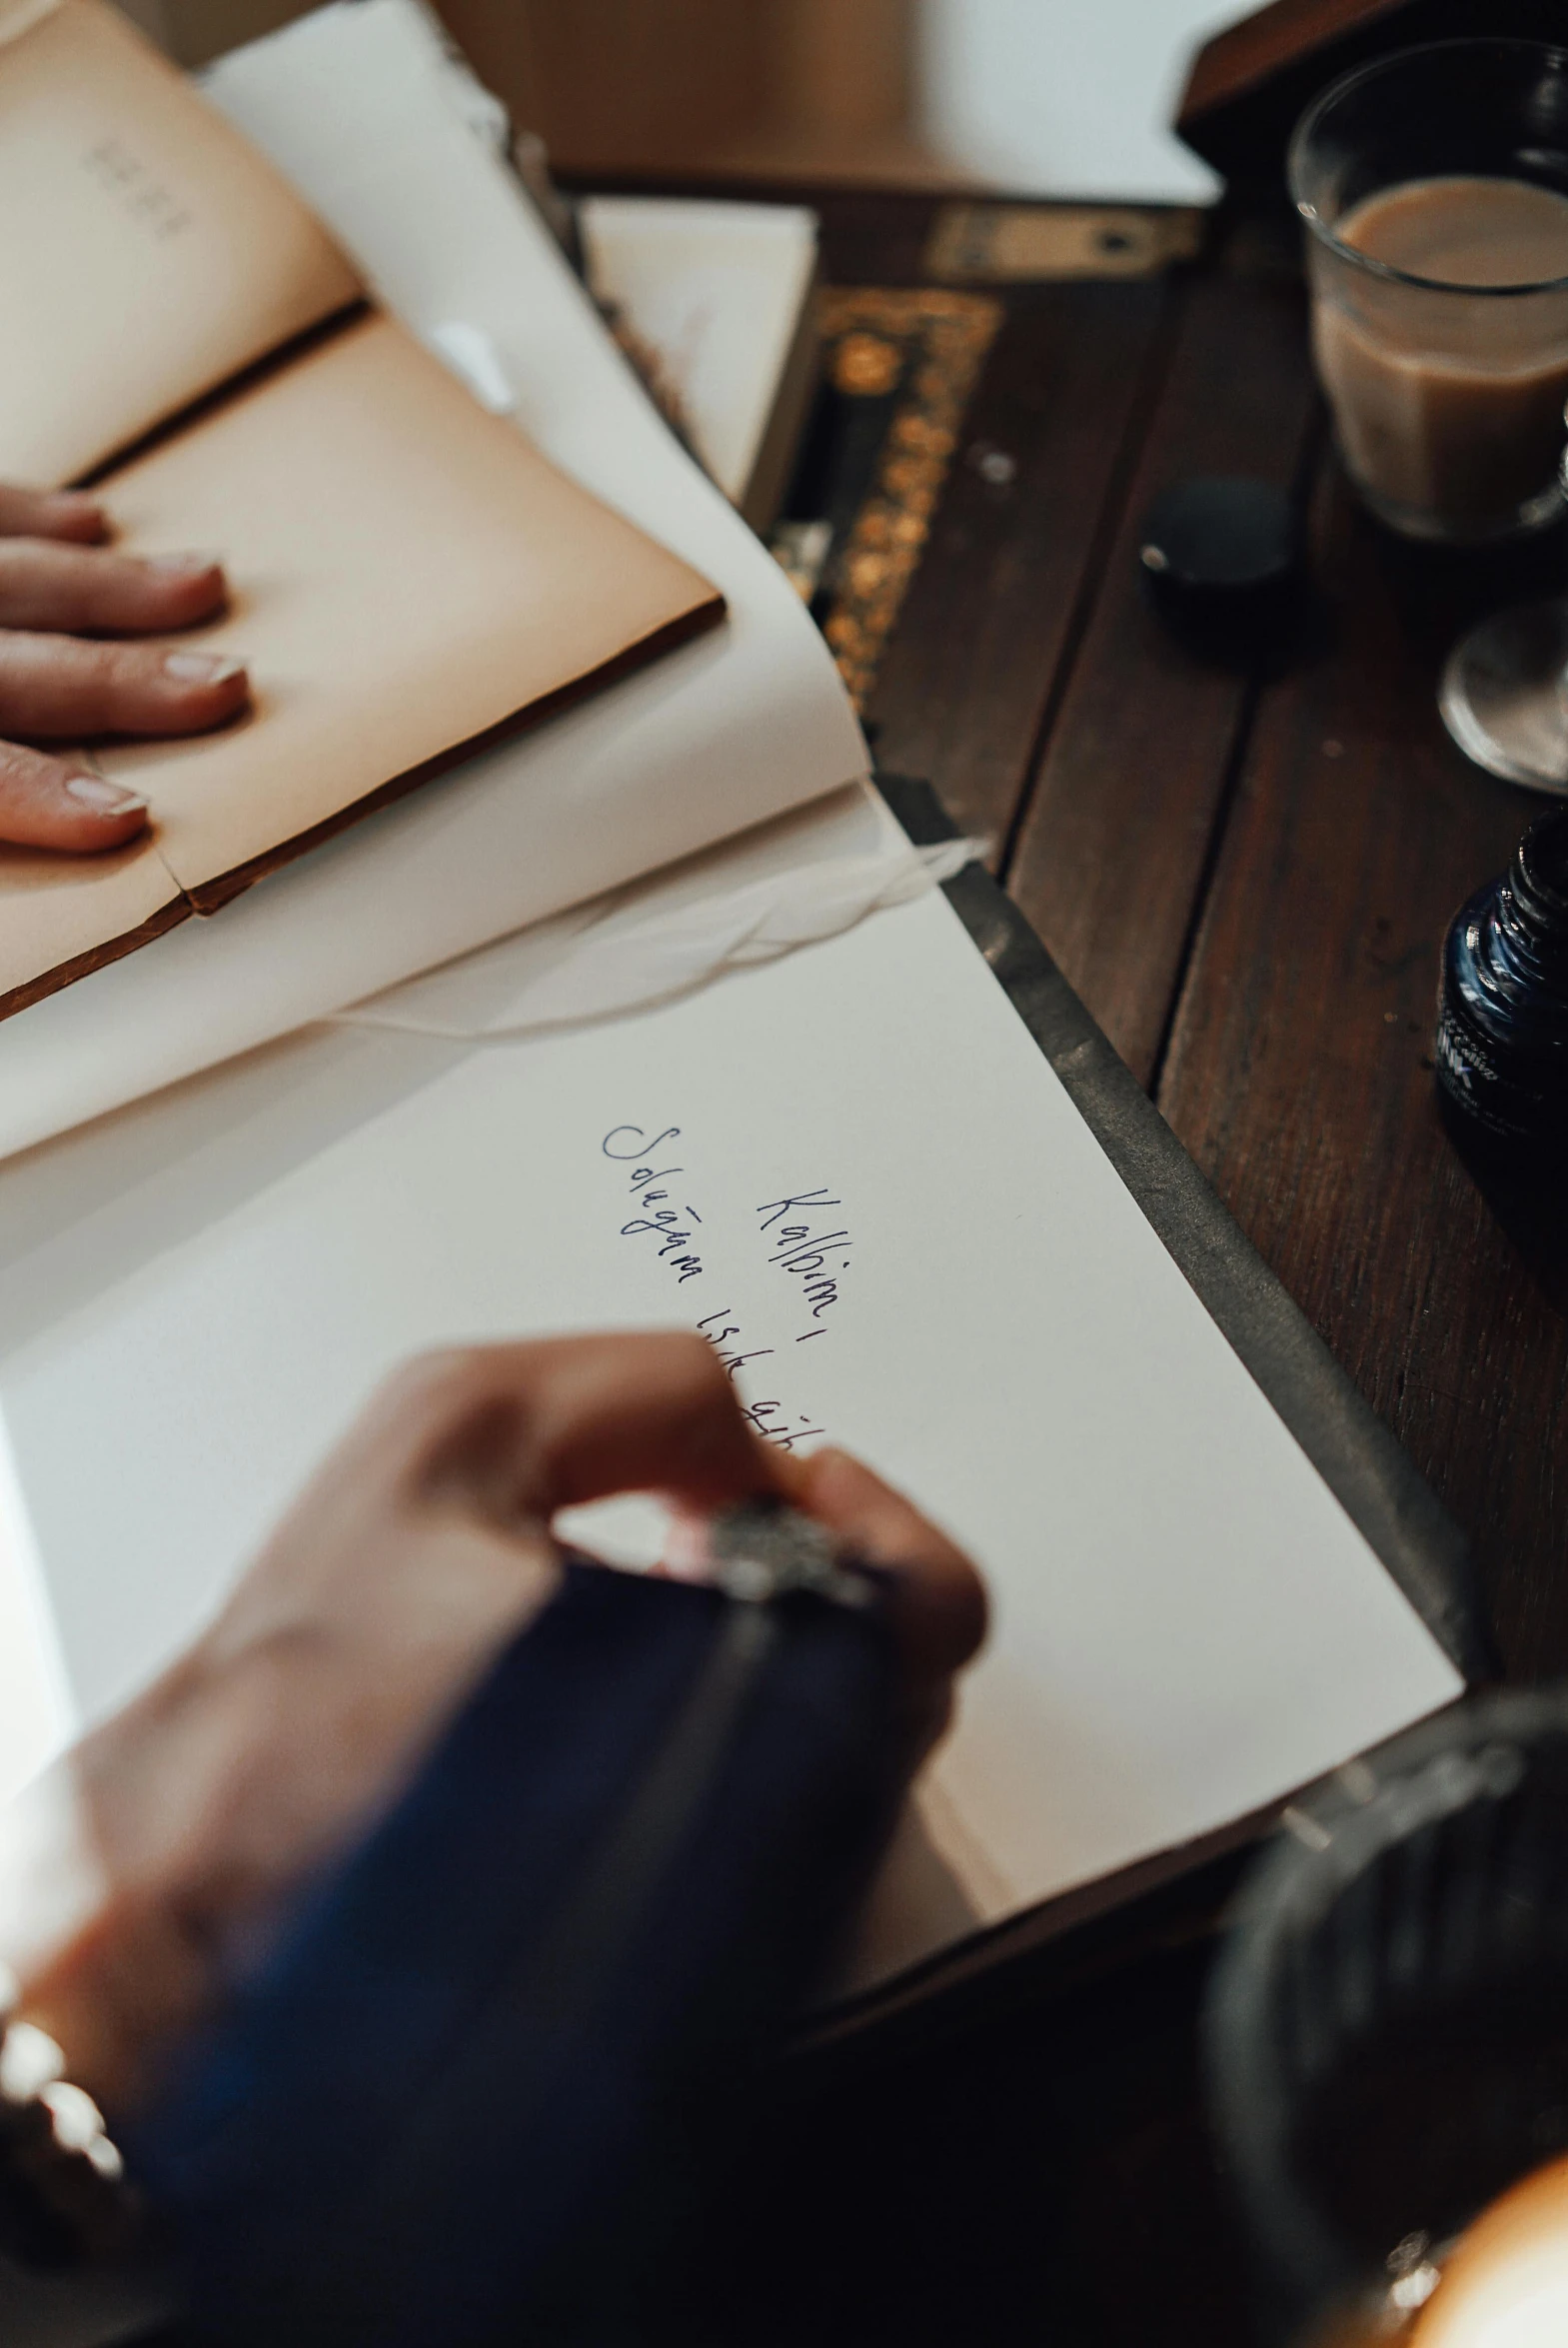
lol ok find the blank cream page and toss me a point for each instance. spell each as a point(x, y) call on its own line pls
point(876, 1201)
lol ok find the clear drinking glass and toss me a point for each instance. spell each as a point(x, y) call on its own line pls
point(1387, 2032)
point(1504, 694)
point(1434, 185)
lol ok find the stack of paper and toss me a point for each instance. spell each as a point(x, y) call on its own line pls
point(1187, 1624)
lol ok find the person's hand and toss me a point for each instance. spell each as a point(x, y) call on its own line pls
point(419, 1551)
point(62, 596)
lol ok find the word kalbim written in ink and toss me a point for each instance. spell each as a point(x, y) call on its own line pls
point(806, 1252)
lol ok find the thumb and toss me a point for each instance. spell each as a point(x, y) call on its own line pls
point(58, 803)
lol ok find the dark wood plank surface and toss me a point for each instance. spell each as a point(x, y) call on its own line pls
point(1247, 880)
point(1252, 916)
point(1010, 570)
point(1300, 1068)
point(1117, 821)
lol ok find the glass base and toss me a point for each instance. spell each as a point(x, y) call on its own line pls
point(1501, 697)
point(1537, 512)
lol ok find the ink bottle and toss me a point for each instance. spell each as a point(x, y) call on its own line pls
point(1502, 1023)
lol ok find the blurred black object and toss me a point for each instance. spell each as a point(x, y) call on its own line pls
point(1248, 84)
point(1221, 561)
point(1502, 1031)
point(1387, 2030)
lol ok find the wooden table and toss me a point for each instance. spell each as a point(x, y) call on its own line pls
point(1247, 880)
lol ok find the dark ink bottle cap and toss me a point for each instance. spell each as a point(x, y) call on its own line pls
point(1503, 1026)
point(1220, 557)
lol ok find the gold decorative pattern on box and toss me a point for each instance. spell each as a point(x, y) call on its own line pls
point(927, 346)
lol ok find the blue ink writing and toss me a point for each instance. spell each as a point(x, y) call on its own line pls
point(719, 1338)
point(666, 1224)
point(806, 1252)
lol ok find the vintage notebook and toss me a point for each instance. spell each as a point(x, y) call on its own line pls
point(411, 578)
point(1214, 1576)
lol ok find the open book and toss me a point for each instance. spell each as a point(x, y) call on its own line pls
point(411, 578)
point(898, 1232)
point(1192, 1612)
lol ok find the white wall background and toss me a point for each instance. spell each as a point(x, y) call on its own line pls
point(1066, 97)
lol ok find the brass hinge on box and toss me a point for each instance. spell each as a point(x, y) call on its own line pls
point(999, 243)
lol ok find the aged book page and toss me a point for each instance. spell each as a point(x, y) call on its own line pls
point(147, 253)
point(409, 577)
point(58, 912)
point(408, 574)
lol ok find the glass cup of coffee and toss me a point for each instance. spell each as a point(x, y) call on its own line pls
point(1434, 185)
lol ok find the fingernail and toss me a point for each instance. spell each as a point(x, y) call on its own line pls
point(78, 512)
point(202, 668)
point(105, 799)
point(180, 561)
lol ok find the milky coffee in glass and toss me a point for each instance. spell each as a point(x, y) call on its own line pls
point(1448, 407)
point(1440, 298)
